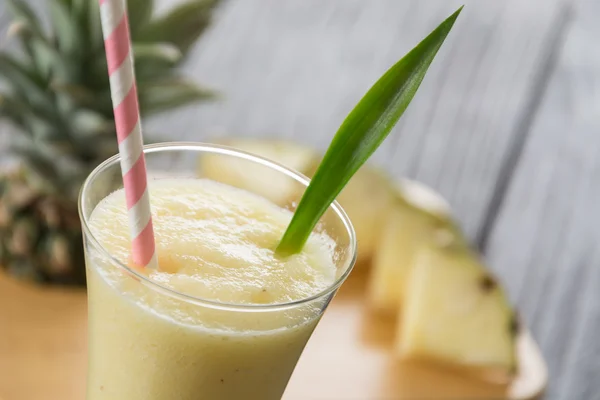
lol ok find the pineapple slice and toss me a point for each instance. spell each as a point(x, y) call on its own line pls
point(417, 212)
point(367, 199)
point(456, 312)
point(256, 178)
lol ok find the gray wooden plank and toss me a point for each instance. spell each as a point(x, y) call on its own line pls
point(479, 106)
point(295, 68)
point(545, 242)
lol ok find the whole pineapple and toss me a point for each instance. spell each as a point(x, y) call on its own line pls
point(56, 94)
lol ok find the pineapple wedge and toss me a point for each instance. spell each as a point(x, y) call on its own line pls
point(455, 312)
point(256, 178)
point(366, 198)
point(416, 213)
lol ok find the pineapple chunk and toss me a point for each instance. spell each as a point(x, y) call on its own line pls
point(455, 311)
point(367, 199)
point(416, 213)
point(256, 178)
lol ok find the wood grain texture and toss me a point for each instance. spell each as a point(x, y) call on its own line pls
point(545, 244)
point(42, 343)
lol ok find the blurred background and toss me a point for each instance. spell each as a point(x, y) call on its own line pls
point(505, 126)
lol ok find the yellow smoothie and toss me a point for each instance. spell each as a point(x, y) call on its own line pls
point(216, 243)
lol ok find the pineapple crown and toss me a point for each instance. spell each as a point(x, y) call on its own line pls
point(56, 89)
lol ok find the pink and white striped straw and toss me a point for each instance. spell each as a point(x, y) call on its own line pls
point(117, 44)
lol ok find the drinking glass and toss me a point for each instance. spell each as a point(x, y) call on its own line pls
point(153, 350)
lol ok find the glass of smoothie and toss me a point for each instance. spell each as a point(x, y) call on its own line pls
point(223, 317)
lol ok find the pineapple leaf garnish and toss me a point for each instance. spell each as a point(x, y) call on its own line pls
point(361, 133)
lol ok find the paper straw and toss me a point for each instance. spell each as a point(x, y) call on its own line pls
point(117, 43)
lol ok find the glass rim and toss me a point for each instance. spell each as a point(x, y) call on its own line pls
point(226, 151)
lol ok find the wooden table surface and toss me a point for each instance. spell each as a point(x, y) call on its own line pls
point(506, 126)
point(43, 353)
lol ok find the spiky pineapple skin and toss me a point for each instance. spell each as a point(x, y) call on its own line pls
point(40, 235)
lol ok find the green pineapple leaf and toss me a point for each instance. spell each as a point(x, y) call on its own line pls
point(163, 53)
point(11, 110)
point(361, 133)
point(24, 14)
point(25, 24)
point(97, 144)
point(47, 59)
point(41, 60)
point(94, 29)
point(38, 162)
point(160, 96)
point(154, 61)
point(79, 93)
point(30, 115)
point(79, 10)
point(67, 32)
point(97, 75)
point(26, 110)
point(23, 81)
point(88, 123)
point(181, 26)
point(139, 13)
point(38, 124)
point(69, 3)
point(40, 129)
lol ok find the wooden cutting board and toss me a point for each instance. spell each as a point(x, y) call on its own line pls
point(43, 354)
